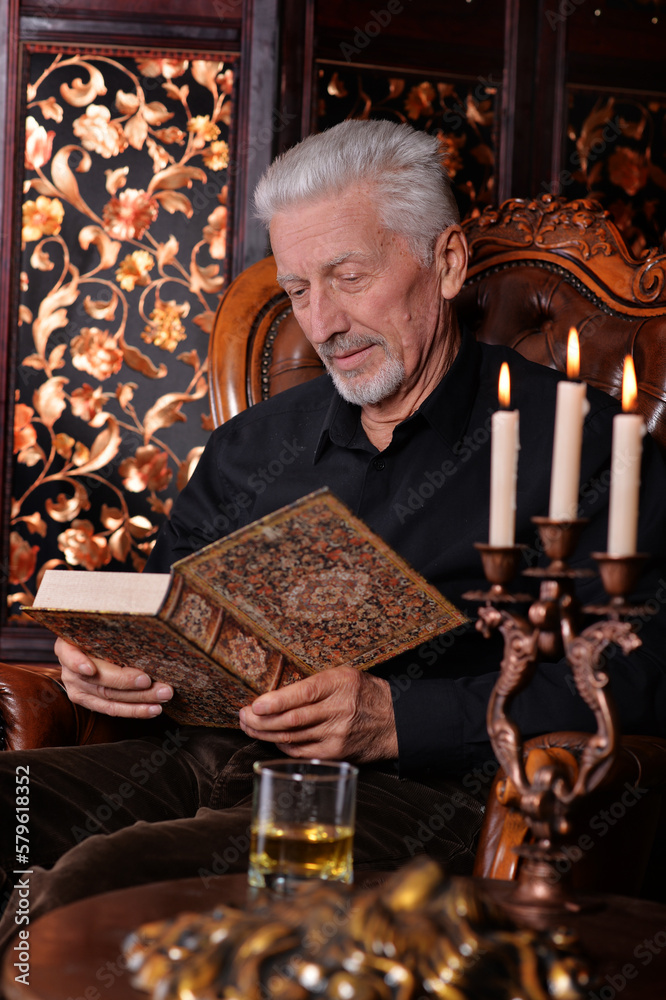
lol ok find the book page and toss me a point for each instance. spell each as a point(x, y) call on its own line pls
point(120, 593)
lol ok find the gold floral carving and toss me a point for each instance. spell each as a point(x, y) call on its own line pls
point(462, 115)
point(615, 154)
point(124, 237)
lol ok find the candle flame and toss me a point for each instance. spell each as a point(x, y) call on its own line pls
point(573, 354)
point(504, 388)
point(629, 385)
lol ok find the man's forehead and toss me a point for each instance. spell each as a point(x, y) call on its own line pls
point(334, 225)
point(328, 264)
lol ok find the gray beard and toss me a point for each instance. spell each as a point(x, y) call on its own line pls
point(354, 386)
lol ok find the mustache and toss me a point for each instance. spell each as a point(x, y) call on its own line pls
point(340, 343)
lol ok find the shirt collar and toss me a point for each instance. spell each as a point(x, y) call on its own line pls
point(446, 409)
point(341, 425)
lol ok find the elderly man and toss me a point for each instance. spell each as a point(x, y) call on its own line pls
point(365, 235)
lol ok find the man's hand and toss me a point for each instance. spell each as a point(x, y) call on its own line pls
point(339, 714)
point(104, 687)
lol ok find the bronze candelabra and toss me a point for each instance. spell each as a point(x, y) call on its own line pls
point(546, 793)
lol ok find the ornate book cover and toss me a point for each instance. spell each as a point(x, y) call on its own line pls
point(306, 588)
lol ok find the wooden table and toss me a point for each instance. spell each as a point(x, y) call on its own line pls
point(75, 951)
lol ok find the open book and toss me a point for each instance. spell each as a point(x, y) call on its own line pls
point(303, 589)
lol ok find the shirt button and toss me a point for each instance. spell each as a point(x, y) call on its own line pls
point(379, 464)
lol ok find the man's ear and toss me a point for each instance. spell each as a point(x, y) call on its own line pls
point(451, 256)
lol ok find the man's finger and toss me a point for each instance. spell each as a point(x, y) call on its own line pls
point(306, 692)
point(161, 693)
point(92, 689)
point(73, 658)
point(122, 678)
point(109, 675)
point(117, 709)
point(291, 737)
point(307, 751)
point(76, 664)
point(286, 698)
point(302, 717)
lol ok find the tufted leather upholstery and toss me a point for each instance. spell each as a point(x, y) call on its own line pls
point(536, 268)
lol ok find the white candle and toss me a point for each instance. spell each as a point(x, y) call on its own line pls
point(628, 431)
point(504, 468)
point(570, 411)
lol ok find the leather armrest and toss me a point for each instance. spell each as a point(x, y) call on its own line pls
point(36, 712)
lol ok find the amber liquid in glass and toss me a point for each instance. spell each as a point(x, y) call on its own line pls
point(280, 854)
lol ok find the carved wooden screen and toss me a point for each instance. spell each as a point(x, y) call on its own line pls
point(124, 247)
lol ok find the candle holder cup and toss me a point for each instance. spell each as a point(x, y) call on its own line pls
point(500, 565)
point(543, 789)
point(559, 540)
point(619, 575)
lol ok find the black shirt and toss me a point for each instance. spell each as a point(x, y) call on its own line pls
point(427, 495)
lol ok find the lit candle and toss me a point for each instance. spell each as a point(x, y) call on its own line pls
point(628, 430)
point(570, 411)
point(503, 466)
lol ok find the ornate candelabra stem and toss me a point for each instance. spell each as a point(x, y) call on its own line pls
point(545, 787)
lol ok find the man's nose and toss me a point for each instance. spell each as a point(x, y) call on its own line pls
point(327, 317)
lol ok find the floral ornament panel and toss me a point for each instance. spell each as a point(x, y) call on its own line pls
point(461, 114)
point(124, 256)
point(616, 153)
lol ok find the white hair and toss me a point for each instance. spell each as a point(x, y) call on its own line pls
point(413, 193)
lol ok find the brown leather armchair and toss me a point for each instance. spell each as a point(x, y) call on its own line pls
point(537, 268)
